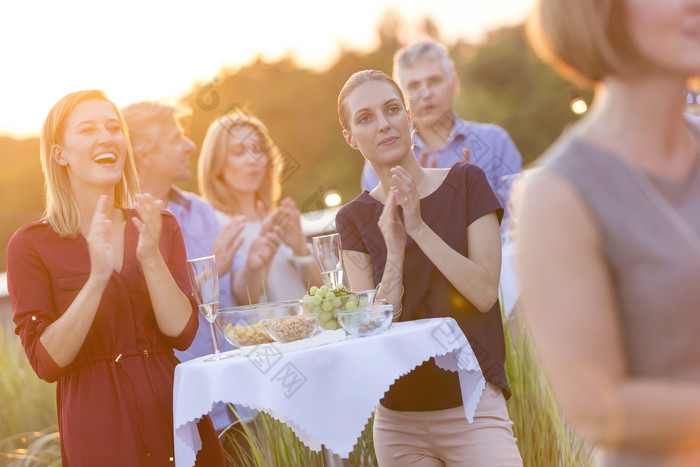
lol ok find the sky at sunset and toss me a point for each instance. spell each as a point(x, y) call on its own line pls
point(156, 49)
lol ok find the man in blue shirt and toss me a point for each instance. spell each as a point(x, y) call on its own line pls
point(426, 74)
point(162, 155)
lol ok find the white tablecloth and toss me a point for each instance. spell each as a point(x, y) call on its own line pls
point(326, 394)
point(509, 290)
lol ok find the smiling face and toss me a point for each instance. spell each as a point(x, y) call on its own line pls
point(378, 123)
point(246, 160)
point(430, 89)
point(93, 145)
point(666, 33)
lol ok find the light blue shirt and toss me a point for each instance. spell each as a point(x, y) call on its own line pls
point(200, 227)
point(492, 150)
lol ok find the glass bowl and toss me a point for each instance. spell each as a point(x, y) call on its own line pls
point(367, 321)
point(242, 325)
point(327, 309)
point(291, 328)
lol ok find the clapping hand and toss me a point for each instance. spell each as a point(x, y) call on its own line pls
point(288, 218)
point(431, 162)
point(425, 160)
point(227, 243)
point(466, 156)
point(265, 244)
point(390, 224)
point(148, 223)
point(99, 241)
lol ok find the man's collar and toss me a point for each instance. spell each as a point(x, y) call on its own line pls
point(459, 128)
point(176, 195)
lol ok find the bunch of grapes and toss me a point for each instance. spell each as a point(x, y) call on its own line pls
point(328, 302)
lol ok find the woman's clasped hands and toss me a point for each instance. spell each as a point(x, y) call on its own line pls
point(403, 193)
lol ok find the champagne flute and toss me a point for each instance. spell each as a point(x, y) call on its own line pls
point(330, 259)
point(204, 278)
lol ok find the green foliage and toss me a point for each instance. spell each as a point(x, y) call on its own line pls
point(267, 441)
point(27, 408)
point(544, 439)
point(502, 82)
point(35, 449)
point(27, 403)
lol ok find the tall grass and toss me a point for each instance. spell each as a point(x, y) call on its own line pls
point(544, 439)
point(264, 442)
point(28, 435)
point(268, 442)
point(27, 404)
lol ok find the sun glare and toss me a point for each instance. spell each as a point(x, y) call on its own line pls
point(159, 49)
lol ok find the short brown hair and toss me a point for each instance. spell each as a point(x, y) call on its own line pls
point(62, 208)
point(584, 40)
point(353, 82)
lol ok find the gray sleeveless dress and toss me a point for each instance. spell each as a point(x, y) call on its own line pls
point(655, 268)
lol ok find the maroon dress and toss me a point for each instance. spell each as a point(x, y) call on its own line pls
point(115, 399)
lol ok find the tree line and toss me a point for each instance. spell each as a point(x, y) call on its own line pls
point(502, 82)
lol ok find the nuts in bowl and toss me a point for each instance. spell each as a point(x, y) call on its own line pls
point(291, 328)
point(242, 325)
point(367, 321)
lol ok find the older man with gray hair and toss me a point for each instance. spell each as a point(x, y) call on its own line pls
point(427, 76)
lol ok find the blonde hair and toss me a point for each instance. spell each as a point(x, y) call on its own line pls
point(212, 160)
point(584, 40)
point(353, 82)
point(61, 205)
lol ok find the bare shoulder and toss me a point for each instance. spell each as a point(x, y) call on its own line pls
point(548, 192)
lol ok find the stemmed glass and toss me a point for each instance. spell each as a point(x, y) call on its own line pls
point(330, 259)
point(204, 278)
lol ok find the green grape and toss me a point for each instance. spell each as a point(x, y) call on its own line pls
point(330, 295)
point(320, 295)
point(313, 290)
point(337, 303)
point(350, 305)
point(332, 325)
point(316, 309)
point(324, 288)
point(326, 305)
point(325, 316)
point(307, 298)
